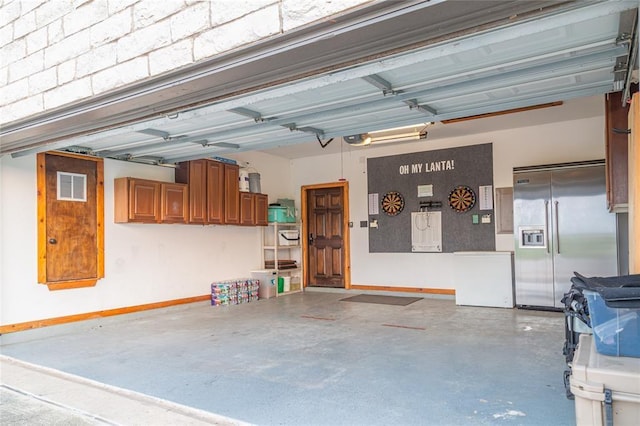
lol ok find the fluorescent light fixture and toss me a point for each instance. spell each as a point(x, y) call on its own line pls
point(396, 134)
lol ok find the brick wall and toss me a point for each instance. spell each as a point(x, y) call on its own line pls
point(54, 52)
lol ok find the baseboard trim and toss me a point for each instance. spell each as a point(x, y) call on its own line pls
point(446, 291)
point(30, 325)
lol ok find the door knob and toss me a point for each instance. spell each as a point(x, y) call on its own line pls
point(310, 239)
point(53, 241)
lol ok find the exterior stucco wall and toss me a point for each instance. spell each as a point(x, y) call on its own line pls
point(54, 52)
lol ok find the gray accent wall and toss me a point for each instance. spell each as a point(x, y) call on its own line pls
point(443, 170)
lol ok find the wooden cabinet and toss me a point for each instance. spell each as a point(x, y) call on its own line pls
point(616, 153)
point(254, 209)
point(149, 201)
point(231, 194)
point(261, 206)
point(174, 201)
point(213, 191)
point(247, 209)
point(194, 173)
point(136, 200)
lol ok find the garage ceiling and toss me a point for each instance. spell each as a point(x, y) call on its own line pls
point(499, 57)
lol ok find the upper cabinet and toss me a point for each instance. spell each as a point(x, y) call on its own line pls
point(174, 202)
point(247, 209)
point(617, 153)
point(261, 207)
point(215, 197)
point(206, 180)
point(149, 201)
point(215, 191)
point(231, 194)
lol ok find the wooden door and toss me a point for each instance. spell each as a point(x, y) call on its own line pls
point(70, 210)
point(325, 232)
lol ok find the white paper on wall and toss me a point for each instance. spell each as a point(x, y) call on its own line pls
point(426, 232)
point(373, 203)
point(486, 197)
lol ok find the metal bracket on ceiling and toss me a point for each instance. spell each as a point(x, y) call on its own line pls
point(426, 109)
point(162, 134)
point(223, 145)
point(246, 112)
point(305, 129)
point(381, 83)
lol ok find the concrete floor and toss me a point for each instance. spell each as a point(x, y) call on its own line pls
point(311, 359)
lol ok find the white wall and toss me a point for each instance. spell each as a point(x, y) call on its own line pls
point(144, 263)
point(575, 140)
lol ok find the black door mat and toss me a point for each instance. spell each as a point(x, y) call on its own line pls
point(382, 300)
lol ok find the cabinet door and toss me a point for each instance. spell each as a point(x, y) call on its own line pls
point(215, 192)
point(617, 153)
point(144, 200)
point(247, 209)
point(231, 194)
point(175, 203)
point(261, 206)
point(194, 173)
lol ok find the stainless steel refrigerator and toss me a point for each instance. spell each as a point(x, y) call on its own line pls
point(561, 225)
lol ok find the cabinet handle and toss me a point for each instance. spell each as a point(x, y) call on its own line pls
point(53, 241)
point(310, 239)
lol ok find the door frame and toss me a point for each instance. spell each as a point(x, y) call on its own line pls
point(42, 222)
point(346, 260)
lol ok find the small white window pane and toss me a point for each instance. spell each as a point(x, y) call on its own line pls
point(72, 186)
point(79, 188)
point(65, 183)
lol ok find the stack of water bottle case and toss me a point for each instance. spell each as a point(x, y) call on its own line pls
point(602, 349)
point(234, 292)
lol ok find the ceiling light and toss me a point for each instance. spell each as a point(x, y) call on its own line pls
point(396, 134)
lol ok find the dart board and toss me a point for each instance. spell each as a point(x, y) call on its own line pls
point(462, 199)
point(392, 203)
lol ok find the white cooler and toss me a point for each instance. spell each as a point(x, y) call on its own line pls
point(606, 388)
point(268, 282)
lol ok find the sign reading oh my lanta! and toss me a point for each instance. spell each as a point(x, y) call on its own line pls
point(433, 166)
point(430, 176)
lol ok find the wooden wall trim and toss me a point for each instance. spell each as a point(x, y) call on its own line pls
point(446, 291)
point(345, 223)
point(12, 328)
point(634, 185)
point(41, 178)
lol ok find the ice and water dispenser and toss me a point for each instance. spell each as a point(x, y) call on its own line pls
point(531, 237)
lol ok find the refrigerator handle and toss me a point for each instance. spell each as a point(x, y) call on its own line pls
point(546, 223)
point(557, 229)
